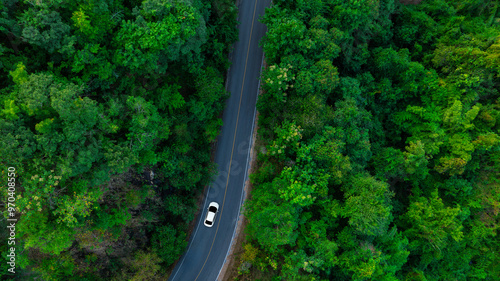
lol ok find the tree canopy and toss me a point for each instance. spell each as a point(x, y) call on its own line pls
point(380, 142)
point(98, 111)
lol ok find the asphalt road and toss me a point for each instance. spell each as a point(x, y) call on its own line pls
point(208, 247)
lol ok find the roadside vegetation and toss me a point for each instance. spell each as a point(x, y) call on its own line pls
point(108, 110)
point(381, 155)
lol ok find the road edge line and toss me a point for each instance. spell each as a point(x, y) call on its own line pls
point(245, 178)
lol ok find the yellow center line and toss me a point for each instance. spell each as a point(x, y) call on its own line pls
point(234, 140)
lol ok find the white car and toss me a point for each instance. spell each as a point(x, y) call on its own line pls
point(213, 208)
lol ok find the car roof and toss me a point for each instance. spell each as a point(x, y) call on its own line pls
point(210, 216)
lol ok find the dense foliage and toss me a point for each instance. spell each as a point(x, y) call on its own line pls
point(381, 127)
point(108, 112)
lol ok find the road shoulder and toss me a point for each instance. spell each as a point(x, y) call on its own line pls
point(230, 268)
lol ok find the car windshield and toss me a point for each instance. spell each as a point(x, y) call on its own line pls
point(208, 222)
point(212, 209)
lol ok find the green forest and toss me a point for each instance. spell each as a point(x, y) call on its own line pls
point(379, 147)
point(108, 110)
point(379, 153)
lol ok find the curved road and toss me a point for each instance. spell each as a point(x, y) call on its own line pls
point(208, 247)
